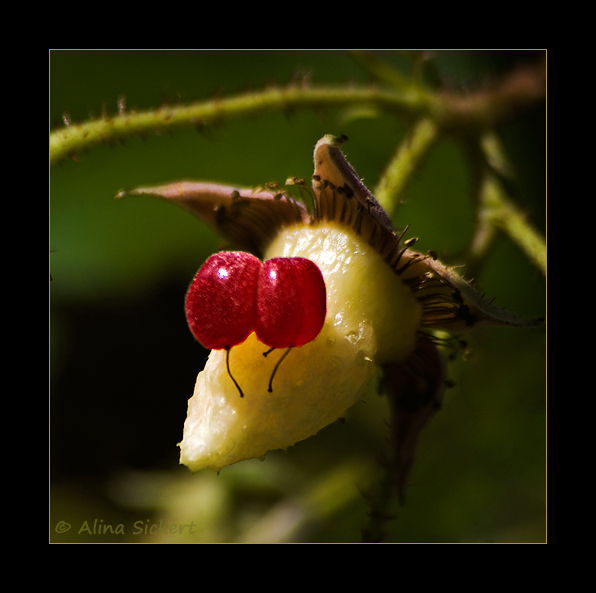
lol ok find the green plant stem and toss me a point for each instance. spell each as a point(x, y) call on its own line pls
point(381, 502)
point(75, 138)
point(497, 212)
point(509, 218)
point(406, 159)
point(481, 109)
point(485, 235)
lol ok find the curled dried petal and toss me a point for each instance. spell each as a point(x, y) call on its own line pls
point(451, 303)
point(415, 391)
point(247, 218)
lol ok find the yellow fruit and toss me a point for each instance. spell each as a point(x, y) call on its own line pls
point(372, 317)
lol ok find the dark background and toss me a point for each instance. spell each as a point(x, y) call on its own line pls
point(123, 363)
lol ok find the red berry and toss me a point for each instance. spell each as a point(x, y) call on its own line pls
point(233, 294)
point(220, 300)
point(290, 303)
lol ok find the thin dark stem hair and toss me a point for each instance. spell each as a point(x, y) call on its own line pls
point(270, 388)
point(230, 374)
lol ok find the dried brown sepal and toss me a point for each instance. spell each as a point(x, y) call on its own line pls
point(247, 218)
point(450, 302)
point(415, 392)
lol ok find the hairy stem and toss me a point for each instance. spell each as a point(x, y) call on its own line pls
point(481, 109)
point(406, 159)
point(524, 234)
point(72, 139)
point(497, 212)
point(381, 502)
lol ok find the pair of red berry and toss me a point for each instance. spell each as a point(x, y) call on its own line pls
point(282, 300)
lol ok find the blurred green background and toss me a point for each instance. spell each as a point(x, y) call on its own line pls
point(123, 364)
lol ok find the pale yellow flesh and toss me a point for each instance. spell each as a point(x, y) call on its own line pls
point(371, 318)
